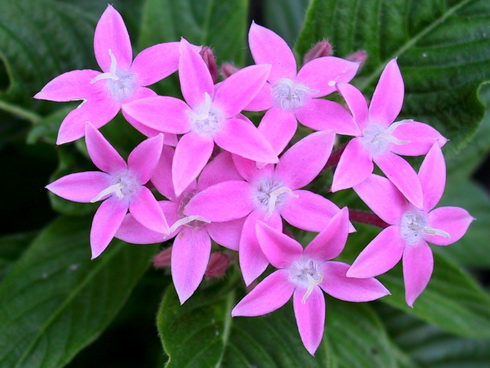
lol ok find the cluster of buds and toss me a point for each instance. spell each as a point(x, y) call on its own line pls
point(228, 181)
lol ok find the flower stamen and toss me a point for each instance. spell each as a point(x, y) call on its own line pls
point(186, 220)
point(116, 188)
point(112, 72)
point(311, 285)
point(273, 197)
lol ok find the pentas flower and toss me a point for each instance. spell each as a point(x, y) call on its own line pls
point(290, 95)
point(208, 116)
point(381, 140)
point(121, 81)
point(269, 194)
point(120, 186)
point(303, 274)
point(410, 228)
point(193, 234)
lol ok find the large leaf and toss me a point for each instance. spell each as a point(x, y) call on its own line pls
point(201, 333)
point(285, 17)
point(11, 247)
point(55, 301)
point(443, 49)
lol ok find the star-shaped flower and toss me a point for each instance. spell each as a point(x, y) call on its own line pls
point(303, 274)
point(410, 228)
point(122, 80)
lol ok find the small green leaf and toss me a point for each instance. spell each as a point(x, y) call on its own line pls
point(55, 301)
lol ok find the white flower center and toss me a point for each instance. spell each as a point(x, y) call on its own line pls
point(269, 194)
point(304, 273)
point(289, 95)
point(120, 83)
point(206, 119)
point(124, 185)
point(414, 226)
point(376, 139)
point(195, 222)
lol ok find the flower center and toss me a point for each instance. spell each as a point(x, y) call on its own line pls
point(288, 95)
point(414, 226)
point(206, 119)
point(120, 83)
point(376, 139)
point(304, 273)
point(124, 185)
point(270, 194)
point(195, 222)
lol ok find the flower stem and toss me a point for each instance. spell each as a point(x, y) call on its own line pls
point(335, 157)
point(367, 218)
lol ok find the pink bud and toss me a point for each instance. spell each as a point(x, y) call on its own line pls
point(322, 48)
point(228, 69)
point(359, 57)
point(218, 263)
point(162, 259)
point(208, 56)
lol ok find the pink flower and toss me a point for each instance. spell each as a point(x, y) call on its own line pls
point(291, 95)
point(192, 245)
point(381, 141)
point(121, 186)
point(208, 116)
point(411, 228)
point(269, 194)
point(303, 274)
point(122, 80)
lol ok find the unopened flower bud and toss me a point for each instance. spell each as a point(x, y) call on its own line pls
point(359, 57)
point(322, 48)
point(218, 263)
point(208, 56)
point(163, 258)
point(228, 69)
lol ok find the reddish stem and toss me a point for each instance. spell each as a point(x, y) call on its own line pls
point(335, 157)
point(367, 218)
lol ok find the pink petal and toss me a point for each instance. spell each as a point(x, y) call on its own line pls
point(402, 175)
point(190, 257)
point(278, 127)
point(308, 211)
point(162, 113)
point(69, 86)
point(252, 260)
point(281, 250)
point(453, 220)
point(221, 168)
point(248, 169)
point(238, 90)
point(355, 166)
point(268, 48)
point(322, 73)
point(331, 240)
point(310, 317)
point(321, 114)
point(191, 155)
point(162, 176)
point(107, 220)
point(418, 264)
point(263, 100)
point(226, 234)
point(195, 79)
point(432, 175)
point(380, 255)
point(145, 209)
point(242, 138)
point(111, 34)
point(303, 162)
point(356, 102)
point(103, 155)
point(271, 294)
point(382, 197)
point(143, 160)
point(421, 137)
point(388, 96)
point(98, 110)
point(80, 187)
point(225, 201)
point(337, 284)
point(156, 62)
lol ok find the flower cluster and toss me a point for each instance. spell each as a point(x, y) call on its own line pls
point(230, 182)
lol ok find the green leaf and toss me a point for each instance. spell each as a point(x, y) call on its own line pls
point(285, 17)
point(452, 300)
point(56, 301)
point(11, 247)
point(202, 333)
point(443, 49)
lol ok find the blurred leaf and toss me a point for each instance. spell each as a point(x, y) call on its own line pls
point(443, 49)
point(56, 301)
point(47, 129)
point(452, 300)
point(285, 17)
point(11, 247)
